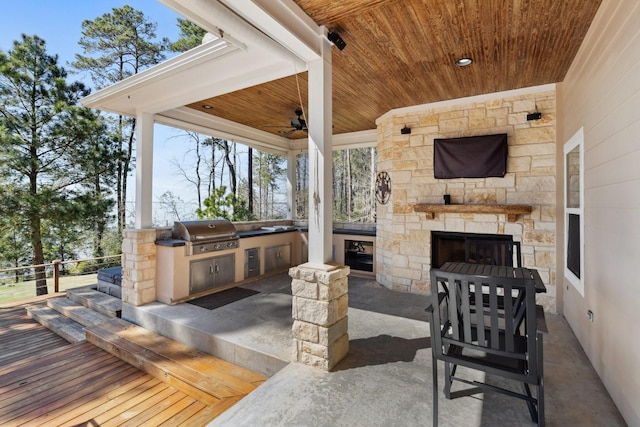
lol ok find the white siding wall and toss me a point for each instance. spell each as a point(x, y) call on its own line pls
point(601, 92)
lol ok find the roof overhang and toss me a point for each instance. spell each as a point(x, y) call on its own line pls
point(255, 41)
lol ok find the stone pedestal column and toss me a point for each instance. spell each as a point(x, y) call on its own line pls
point(319, 309)
point(138, 266)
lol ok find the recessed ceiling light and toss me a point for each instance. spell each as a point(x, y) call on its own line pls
point(463, 62)
point(207, 107)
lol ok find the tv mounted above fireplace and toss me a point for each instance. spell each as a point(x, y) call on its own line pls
point(470, 157)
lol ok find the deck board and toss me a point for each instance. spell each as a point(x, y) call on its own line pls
point(45, 380)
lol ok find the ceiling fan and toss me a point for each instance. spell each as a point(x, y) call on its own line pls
point(297, 124)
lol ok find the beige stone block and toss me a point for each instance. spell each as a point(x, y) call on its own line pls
point(327, 277)
point(148, 296)
point(313, 361)
point(415, 153)
point(408, 274)
point(416, 140)
point(533, 135)
point(400, 287)
point(524, 106)
point(401, 177)
point(508, 181)
point(545, 258)
point(146, 284)
point(342, 309)
point(479, 199)
point(421, 287)
point(307, 274)
point(401, 261)
point(484, 123)
point(304, 289)
point(531, 198)
point(513, 228)
point(316, 350)
point(477, 113)
point(334, 290)
point(539, 238)
point(542, 149)
point(305, 331)
point(454, 114)
point(321, 313)
point(328, 336)
point(144, 248)
point(404, 165)
point(548, 213)
point(518, 164)
point(453, 125)
point(428, 120)
point(535, 184)
point(454, 224)
point(481, 227)
point(142, 275)
point(500, 112)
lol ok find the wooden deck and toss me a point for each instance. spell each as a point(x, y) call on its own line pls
point(44, 380)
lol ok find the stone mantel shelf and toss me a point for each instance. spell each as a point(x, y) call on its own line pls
point(510, 210)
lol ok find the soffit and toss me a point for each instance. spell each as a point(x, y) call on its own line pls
point(401, 53)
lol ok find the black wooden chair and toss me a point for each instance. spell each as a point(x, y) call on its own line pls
point(503, 339)
point(493, 252)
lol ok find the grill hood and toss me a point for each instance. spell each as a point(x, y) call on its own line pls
point(204, 231)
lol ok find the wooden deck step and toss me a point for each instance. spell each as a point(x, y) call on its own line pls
point(77, 312)
point(68, 329)
point(198, 374)
point(98, 301)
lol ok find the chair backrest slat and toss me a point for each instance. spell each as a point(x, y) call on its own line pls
point(493, 252)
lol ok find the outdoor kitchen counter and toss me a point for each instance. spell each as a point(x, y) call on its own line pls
point(265, 232)
point(171, 243)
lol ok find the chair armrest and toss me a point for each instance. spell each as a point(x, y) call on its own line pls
point(541, 321)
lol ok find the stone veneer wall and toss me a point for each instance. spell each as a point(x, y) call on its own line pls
point(403, 252)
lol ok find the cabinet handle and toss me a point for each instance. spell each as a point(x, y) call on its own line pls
point(210, 270)
point(217, 268)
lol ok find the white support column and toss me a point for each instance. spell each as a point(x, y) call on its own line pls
point(144, 171)
point(320, 158)
point(291, 179)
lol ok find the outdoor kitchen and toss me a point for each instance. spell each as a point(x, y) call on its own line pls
point(197, 258)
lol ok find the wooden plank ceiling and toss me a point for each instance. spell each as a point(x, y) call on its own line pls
point(401, 53)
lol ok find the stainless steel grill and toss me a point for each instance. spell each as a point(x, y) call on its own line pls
point(206, 235)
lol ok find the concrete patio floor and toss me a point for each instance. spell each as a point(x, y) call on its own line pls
point(385, 380)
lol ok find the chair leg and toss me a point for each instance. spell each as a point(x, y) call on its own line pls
point(540, 383)
point(447, 374)
point(434, 364)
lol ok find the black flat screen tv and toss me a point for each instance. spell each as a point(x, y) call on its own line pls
point(470, 157)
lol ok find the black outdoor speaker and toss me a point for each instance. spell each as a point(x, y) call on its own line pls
point(337, 40)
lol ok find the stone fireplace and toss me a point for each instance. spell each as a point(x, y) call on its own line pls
point(404, 246)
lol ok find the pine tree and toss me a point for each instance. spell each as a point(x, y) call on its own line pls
point(118, 45)
point(43, 135)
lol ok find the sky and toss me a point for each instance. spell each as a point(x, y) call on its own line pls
point(59, 22)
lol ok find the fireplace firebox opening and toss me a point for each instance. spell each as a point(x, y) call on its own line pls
point(450, 246)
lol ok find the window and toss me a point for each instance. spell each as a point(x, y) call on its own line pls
point(354, 183)
point(574, 210)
